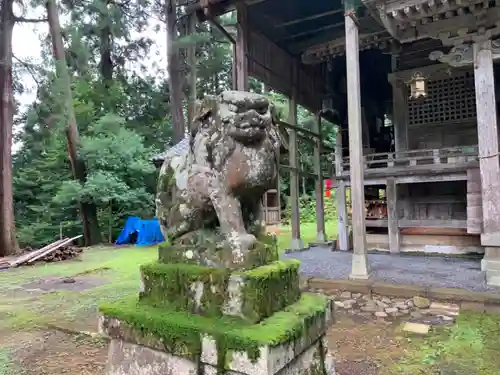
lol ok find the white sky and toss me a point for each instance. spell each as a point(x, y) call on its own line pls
point(26, 46)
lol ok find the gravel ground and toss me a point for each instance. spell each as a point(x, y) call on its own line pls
point(429, 271)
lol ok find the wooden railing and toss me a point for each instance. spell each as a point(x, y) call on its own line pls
point(412, 158)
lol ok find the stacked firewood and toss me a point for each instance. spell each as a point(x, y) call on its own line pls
point(62, 253)
point(60, 250)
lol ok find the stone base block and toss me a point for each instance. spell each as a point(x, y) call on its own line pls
point(251, 295)
point(208, 248)
point(133, 359)
point(289, 342)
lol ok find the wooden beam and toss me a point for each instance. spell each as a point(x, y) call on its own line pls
point(191, 60)
point(320, 201)
point(392, 215)
point(359, 259)
point(313, 31)
point(221, 28)
point(241, 60)
point(296, 242)
point(329, 34)
point(340, 196)
point(309, 18)
point(487, 129)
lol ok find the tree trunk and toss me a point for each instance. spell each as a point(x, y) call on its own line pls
point(88, 211)
point(110, 223)
point(174, 74)
point(8, 240)
point(106, 63)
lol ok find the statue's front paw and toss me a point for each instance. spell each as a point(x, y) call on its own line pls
point(240, 244)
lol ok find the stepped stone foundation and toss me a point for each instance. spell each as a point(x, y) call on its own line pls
point(195, 320)
point(219, 301)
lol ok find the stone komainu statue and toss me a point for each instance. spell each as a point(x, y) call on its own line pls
point(215, 179)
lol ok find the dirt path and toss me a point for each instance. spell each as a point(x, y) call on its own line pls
point(50, 352)
point(364, 346)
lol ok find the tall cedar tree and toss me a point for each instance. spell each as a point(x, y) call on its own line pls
point(88, 211)
point(8, 241)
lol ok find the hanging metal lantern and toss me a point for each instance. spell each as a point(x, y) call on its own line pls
point(418, 86)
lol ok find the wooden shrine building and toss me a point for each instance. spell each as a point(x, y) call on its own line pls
point(413, 84)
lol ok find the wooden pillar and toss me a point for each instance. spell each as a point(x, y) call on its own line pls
point(320, 201)
point(366, 129)
point(489, 164)
point(191, 60)
point(296, 242)
point(343, 222)
point(392, 212)
point(241, 48)
point(399, 104)
point(359, 259)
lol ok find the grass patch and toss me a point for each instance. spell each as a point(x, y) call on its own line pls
point(307, 233)
point(119, 267)
point(471, 346)
point(7, 367)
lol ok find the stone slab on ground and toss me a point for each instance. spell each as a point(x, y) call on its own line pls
point(133, 359)
point(251, 295)
point(266, 348)
point(418, 328)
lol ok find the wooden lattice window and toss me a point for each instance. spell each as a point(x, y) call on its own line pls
point(449, 99)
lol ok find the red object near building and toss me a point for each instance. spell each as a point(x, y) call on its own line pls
point(328, 187)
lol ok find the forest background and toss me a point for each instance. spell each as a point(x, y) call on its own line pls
point(77, 157)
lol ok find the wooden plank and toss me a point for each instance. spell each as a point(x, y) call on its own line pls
point(360, 261)
point(392, 213)
point(294, 176)
point(242, 48)
point(434, 231)
point(54, 248)
point(191, 60)
point(320, 202)
point(432, 223)
point(343, 228)
point(24, 258)
point(487, 136)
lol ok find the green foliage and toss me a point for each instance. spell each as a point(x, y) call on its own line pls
point(469, 346)
point(122, 110)
point(307, 206)
point(117, 161)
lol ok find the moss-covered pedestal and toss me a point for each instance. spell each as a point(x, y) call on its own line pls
point(191, 319)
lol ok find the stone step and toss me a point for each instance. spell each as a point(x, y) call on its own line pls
point(289, 342)
point(493, 265)
point(251, 295)
point(492, 275)
point(417, 328)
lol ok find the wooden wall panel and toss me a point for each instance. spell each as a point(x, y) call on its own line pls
point(447, 117)
point(442, 135)
point(273, 66)
point(474, 202)
point(435, 201)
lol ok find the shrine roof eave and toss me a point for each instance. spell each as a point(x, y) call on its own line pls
point(297, 26)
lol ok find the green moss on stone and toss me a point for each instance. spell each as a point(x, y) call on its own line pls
point(181, 333)
point(204, 290)
point(205, 249)
point(176, 286)
point(270, 288)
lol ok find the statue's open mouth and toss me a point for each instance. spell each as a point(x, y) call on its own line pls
point(252, 125)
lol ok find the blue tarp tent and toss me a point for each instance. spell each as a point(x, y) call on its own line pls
point(145, 232)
